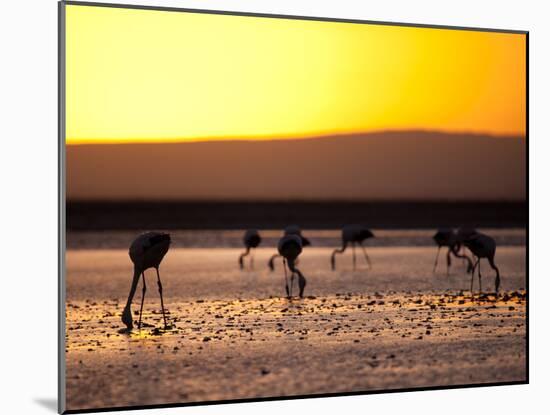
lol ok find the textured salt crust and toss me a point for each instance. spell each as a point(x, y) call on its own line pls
point(396, 326)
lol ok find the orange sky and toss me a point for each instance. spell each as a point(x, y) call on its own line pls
point(141, 75)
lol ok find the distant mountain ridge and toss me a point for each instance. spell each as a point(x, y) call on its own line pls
point(393, 165)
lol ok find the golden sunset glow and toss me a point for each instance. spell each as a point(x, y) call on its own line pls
point(142, 75)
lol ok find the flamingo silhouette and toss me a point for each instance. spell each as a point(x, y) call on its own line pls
point(251, 240)
point(353, 234)
point(453, 241)
point(482, 246)
point(147, 251)
point(290, 247)
point(289, 230)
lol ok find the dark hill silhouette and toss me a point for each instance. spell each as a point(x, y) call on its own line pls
point(413, 165)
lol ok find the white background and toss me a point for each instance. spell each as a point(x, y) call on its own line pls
point(28, 188)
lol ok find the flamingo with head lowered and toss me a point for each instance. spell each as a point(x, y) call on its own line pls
point(251, 239)
point(290, 247)
point(289, 230)
point(353, 234)
point(147, 251)
point(482, 246)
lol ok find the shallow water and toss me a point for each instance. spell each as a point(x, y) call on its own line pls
point(233, 238)
point(213, 273)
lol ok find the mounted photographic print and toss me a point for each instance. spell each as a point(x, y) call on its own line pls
point(258, 207)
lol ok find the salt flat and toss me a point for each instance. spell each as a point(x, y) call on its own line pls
point(234, 336)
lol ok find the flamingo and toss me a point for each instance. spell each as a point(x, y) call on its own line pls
point(251, 239)
point(147, 251)
point(290, 247)
point(353, 234)
point(482, 246)
point(453, 241)
point(289, 230)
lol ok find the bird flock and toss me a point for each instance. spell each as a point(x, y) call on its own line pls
point(148, 250)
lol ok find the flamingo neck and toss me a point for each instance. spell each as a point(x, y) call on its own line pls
point(339, 251)
point(135, 281)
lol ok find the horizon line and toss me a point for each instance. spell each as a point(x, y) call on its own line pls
point(277, 137)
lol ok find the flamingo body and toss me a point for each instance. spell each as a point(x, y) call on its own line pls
point(148, 250)
point(252, 238)
point(290, 247)
point(289, 230)
point(445, 237)
point(353, 234)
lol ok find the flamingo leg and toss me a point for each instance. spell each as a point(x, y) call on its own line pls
point(161, 299)
point(286, 280)
point(291, 282)
point(142, 298)
point(448, 261)
point(252, 260)
point(301, 284)
point(472, 281)
point(436, 257)
point(366, 256)
point(353, 252)
point(470, 261)
point(479, 275)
